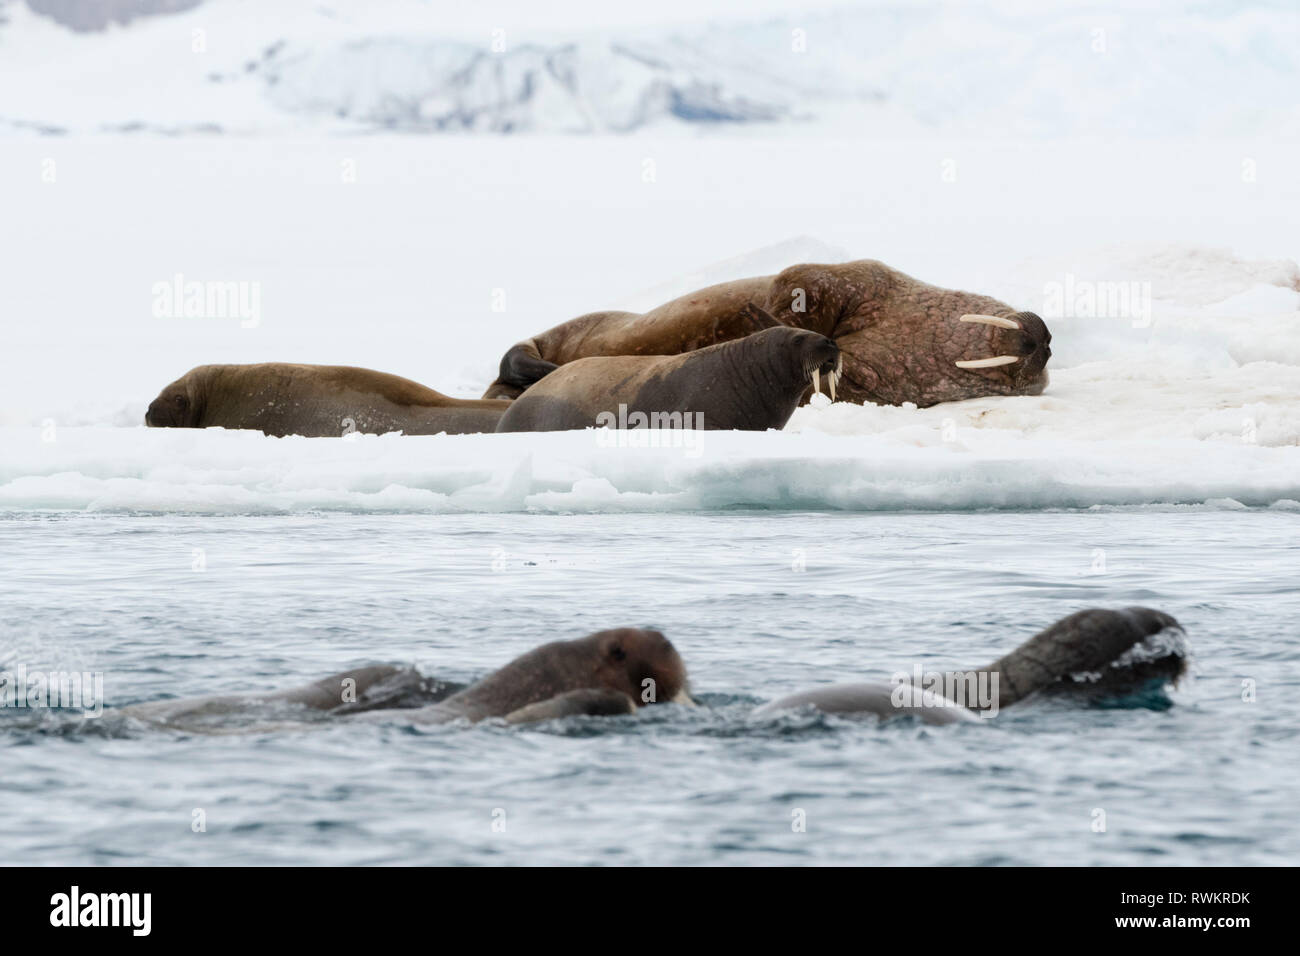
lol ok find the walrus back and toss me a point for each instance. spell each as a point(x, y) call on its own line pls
point(280, 399)
point(575, 395)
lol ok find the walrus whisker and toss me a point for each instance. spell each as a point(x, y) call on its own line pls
point(988, 362)
point(997, 320)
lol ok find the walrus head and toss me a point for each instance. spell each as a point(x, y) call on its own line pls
point(952, 356)
point(816, 356)
point(782, 359)
point(1109, 652)
point(179, 405)
point(642, 664)
point(1010, 351)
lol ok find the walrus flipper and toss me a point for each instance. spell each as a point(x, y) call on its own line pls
point(522, 366)
point(751, 319)
point(588, 701)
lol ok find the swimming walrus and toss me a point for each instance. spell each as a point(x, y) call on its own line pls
point(317, 401)
point(903, 340)
point(613, 671)
point(752, 384)
point(1096, 651)
point(609, 672)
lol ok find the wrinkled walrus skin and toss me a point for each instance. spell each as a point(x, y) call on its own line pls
point(901, 338)
point(316, 401)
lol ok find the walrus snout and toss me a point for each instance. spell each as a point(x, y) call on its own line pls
point(822, 356)
point(648, 662)
point(1035, 346)
point(171, 409)
point(1018, 347)
point(827, 354)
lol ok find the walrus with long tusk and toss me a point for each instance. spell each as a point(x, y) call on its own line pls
point(279, 398)
point(751, 384)
point(903, 340)
point(609, 672)
point(1098, 651)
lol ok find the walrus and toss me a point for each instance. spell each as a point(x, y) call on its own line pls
point(374, 687)
point(752, 384)
point(317, 401)
point(1108, 653)
point(612, 671)
point(903, 340)
point(609, 672)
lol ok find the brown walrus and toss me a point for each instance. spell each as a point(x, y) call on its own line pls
point(1097, 651)
point(317, 401)
point(752, 384)
point(609, 672)
point(903, 340)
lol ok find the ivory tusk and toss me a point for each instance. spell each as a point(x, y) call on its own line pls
point(988, 362)
point(991, 320)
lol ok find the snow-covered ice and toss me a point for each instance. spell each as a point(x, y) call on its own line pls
point(1162, 254)
point(1202, 407)
point(906, 467)
point(1186, 392)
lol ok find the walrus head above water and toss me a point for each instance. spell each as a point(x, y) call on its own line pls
point(641, 665)
point(1097, 652)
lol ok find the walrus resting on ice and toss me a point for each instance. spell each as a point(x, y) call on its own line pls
point(752, 384)
point(317, 401)
point(610, 672)
point(1097, 651)
point(903, 340)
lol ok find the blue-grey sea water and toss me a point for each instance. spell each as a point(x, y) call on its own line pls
point(758, 604)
